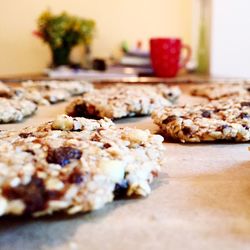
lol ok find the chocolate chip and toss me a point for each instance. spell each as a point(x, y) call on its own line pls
point(83, 110)
point(63, 155)
point(187, 131)
point(5, 95)
point(30, 151)
point(32, 194)
point(120, 190)
point(206, 113)
point(107, 145)
point(53, 195)
point(76, 177)
point(244, 115)
point(25, 135)
point(216, 110)
point(169, 119)
point(245, 104)
point(222, 127)
point(96, 137)
point(245, 126)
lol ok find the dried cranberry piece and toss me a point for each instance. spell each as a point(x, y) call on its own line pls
point(63, 155)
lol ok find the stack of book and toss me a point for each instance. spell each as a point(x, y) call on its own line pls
point(139, 61)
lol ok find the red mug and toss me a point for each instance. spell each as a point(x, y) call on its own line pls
point(165, 56)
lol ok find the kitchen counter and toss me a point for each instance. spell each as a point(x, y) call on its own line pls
point(201, 200)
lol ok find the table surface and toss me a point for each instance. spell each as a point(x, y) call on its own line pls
point(201, 200)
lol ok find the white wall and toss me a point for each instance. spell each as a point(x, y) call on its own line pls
point(230, 38)
point(117, 20)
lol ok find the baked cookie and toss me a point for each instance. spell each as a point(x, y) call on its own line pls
point(122, 101)
point(46, 92)
point(219, 120)
point(42, 96)
point(12, 107)
point(72, 87)
point(74, 165)
point(218, 91)
point(15, 110)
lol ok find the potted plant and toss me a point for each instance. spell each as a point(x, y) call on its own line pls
point(62, 32)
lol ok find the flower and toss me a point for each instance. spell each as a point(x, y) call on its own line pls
point(64, 30)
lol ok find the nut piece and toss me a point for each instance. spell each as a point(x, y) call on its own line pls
point(3, 205)
point(63, 122)
point(114, 169)
point(54, 184)
point(137, 136)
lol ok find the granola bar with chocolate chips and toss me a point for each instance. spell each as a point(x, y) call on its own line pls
point(46, 92)
point(227, 120)
point(218, 91)
point(122, 100)
point(74, 165)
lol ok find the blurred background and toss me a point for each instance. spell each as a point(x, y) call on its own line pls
point(116, 21)
point(217, 31)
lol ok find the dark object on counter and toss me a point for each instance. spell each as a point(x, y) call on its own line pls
point(99, 64)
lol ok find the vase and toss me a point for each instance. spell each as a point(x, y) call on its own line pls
point(203, 42)
point(60, 56)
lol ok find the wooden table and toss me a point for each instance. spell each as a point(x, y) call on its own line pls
point(200, 201)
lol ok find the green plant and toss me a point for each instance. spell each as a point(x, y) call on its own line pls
point(64, 31)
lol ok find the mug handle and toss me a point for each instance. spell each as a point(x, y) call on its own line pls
point(188, 56)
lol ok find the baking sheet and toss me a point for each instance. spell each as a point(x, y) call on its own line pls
point(200, 201)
